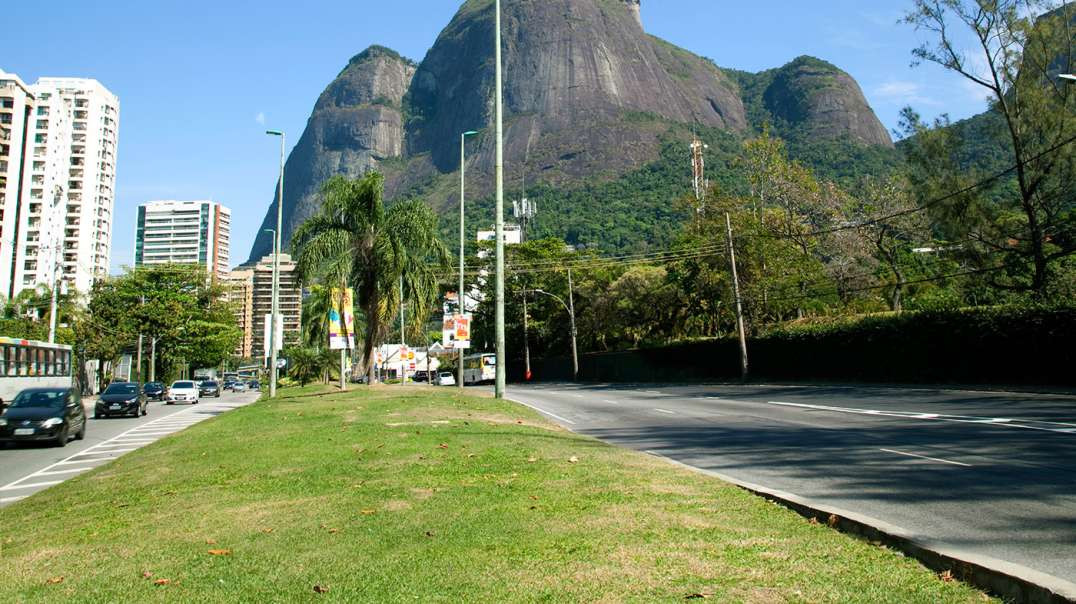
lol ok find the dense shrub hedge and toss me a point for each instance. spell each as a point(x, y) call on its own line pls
point(994, 345)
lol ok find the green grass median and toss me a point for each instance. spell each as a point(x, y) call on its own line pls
point(420, 495)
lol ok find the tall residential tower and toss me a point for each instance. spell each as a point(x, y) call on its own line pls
point(58, 166)
point(184, 232)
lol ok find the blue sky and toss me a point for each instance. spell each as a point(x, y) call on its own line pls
point(199, 82)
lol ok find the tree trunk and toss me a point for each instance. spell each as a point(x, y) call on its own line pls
point(373, 326)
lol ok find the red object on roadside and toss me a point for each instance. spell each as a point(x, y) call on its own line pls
point(529, 375)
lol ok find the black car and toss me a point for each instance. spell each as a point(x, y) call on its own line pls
point(209, 388)
point(154, 391)
point(254, 385)
point(120, 398)
point(44, 414)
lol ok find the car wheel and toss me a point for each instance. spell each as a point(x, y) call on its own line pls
point(97, 416)
point(81, 431)
point(61, 438)
point(168, 402)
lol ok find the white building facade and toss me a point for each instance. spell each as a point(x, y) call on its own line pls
point(57, 216)
point(184, 232)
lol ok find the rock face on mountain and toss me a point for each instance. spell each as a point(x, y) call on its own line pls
point(356, 124)
point(573, 70)
point(824, 101)
point(587, 95)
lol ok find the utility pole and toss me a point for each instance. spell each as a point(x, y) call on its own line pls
point(461, 297)
point(53, 306)
point(526, 341)
point(739, 304)
point(571, 316)
point(138, 371)
point(273, 317)
point(153, 360)
point(499, 170)
point(403, 338)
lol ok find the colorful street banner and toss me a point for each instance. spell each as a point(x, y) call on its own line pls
point(456, 332)
point(342, 319)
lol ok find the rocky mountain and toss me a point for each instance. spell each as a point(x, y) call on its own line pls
point(588, 95)
point(356, 125)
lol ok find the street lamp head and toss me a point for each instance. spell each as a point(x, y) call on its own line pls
point(470, 133)
point(1067, 76)
point(274, 132)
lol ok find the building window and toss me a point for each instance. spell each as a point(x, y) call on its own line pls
point(42, 110)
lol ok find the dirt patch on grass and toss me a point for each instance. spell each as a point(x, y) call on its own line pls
point(396, 505)
point(422, 494)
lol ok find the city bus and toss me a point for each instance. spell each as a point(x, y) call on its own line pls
point(479, 368)
point(32, 364)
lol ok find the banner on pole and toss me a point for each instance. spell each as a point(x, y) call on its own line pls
point(456, 331)
point(342, 319)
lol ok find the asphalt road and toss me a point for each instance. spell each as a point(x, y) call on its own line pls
point(993, 474)
point(27, 468)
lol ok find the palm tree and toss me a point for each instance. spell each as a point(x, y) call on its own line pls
point(355, 240)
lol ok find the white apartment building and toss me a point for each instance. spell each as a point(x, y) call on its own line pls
point(184, 232)
point(16, 109)
point(57, 217)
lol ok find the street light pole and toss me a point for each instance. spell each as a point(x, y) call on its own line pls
point(276, 267)
point(571, 318)
point(499, 170)
point(461, 298)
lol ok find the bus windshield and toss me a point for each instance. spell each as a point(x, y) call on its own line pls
point(50, 399)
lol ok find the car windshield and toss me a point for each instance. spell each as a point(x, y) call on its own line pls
point(52, 399)
point(121, 389)
point(153, 385)
point(183, 385)
point(209, 384)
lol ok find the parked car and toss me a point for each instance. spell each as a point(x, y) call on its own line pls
point(254, 385)
point(154, 391)
point(120, 398)
point(44, 414)
point(183, 391)
point(446, 379)
point(239, 387)
point(421, 377)
point(209, 388)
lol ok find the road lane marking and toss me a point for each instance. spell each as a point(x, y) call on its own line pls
point(664, 411)
point(955, 463)
point(11, 499)
point(105, 451)
point(31, 485)
point(611, 401)
point(72, 470)
point(1025, 424)
point(540, 410)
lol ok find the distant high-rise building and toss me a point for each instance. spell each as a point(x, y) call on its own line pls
point(291, 301)
point(240, 294)
point(59, 181)
point(184, 232)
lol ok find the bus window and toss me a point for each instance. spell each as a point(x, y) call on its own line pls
point(67, 363)
point(24, 361)
point(3, 360)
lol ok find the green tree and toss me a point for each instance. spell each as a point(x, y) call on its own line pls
point(355, 240)
point(1029, 221)
point(177, 304)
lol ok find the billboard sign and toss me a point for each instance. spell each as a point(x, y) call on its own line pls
point(342, 319)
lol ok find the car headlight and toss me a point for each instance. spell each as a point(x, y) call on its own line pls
point(134, 400)
point(52, 421)
point(3, 422)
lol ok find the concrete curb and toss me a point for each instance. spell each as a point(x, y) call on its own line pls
point(1012, 582)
